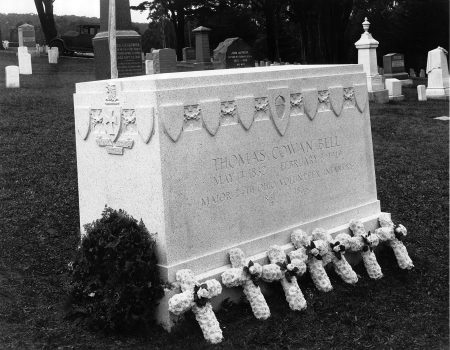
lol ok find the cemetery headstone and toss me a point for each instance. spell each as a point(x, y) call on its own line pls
point(394, 86)
point(164, 61)
point(149, 56)
point(422, 73)
point(394, 66)
point(367, 56)
point(437, 70)
point(12, 75)
point(149, 67)
point(24, 60)
point(5, 44)
point(421, 93)
point(188, 54)
point(222, 159)
point(202, 53)
point(53, 55)
point(412, 73)
point(27, 35)
point(128, 43)
point(13, 35)
point(233, 53)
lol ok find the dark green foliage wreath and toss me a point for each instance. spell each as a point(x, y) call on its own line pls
point(115, 283)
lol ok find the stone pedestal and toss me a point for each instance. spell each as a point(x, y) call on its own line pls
point(438, 76)
point(202, 53)
point(212, 160)
point(164, 61)
point(129, 48)
point(367, 56)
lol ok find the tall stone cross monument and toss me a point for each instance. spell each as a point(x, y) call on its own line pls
point(128, 43)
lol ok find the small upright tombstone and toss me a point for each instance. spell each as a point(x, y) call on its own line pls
point(421, 93)
point(149, 67)
point(24, 60)
point(53, 54)
point(422, 73)
point(412, 73)
point(394, 86)
point(233, 53)
point(202, 53)
point(27, 36)
point(188, 54)
point(437, 70)
point(12, 76)
point(164, 61)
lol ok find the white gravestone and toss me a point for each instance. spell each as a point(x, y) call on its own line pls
point(53, 55)
point(5, 44)
point(12, 76)
point(421, 93)
point(437, 70)
point(394, 87)
point(24, 60)
point(367, 56)
point(221, 159)
point(149, 67)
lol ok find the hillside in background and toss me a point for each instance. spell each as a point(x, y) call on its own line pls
point(63, 24)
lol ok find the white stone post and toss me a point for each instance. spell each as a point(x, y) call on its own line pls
point(367, 56)
point(438, 76)
point(12, 76)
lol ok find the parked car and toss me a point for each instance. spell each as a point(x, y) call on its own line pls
point(73, 41)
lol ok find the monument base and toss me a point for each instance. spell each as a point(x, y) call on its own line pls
point(129, 55)
point(437, 93)
point(380, 96)
point(399, 76)
point(397, 98)
point(167, 320)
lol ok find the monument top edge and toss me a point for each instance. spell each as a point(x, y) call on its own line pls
point(229, 76)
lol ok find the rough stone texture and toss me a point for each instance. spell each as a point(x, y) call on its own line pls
point(213, 160)
point(188, 54)
point(438, 77)
point(421, 93)
point(394, 87)
point(12, 76)
point(233, 53)
point(24, 59)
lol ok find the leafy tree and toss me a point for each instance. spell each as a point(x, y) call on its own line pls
point(45, 13)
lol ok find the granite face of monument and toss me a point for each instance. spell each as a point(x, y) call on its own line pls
point(218, 159)
point(438, 76)
point(202, 53)
point(128, 42)
point(394, 66)
point(12, 76)
point(26, 35)
point(233, 53)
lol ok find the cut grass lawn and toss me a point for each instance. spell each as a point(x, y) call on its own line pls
point(39, 232)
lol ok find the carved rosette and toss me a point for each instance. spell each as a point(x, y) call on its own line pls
point(349, 97)
point(296, 103)
point(323, 97)
point(228, 113)
point(192, 120)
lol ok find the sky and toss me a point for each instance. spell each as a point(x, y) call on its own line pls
point(89, 8)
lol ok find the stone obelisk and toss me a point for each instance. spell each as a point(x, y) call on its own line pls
point(128, 43)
